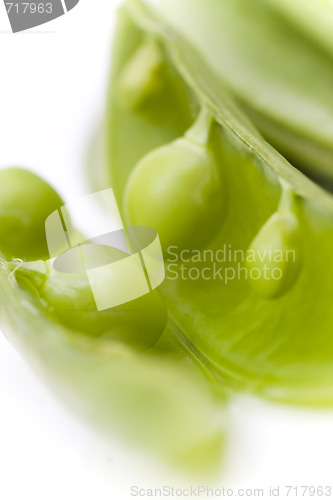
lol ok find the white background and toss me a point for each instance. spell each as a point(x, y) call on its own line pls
point(52, 93)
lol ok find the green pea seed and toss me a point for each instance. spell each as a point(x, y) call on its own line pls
point(142, 78)
point(177, 190)
point(138, 323)
point(275, 256)
point(25, 203)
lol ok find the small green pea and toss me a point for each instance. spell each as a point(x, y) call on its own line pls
point(25, 202)
point(177, 190)
point(138, 323)
point(142, 78)
point(274, 258)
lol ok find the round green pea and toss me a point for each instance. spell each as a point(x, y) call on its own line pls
point(274, 259)
point(25, 202)
point(138, 323)
point(142, 78)
point(177, 189)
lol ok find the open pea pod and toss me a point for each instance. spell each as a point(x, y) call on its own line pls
point(159, 402)
point(226, 205)
point(280, 75)
point(112, 360)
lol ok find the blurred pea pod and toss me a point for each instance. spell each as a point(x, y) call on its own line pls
point(198, 171)
point(314, 18)
point(280, 73)
point(116, 366)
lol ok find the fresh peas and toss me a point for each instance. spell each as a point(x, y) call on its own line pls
point(178, 190)
point(277, 249)
point(162, 405)
point(218, 192)
point(249, 330)
point(105, 363)
point(25, 202)
point(138, 323)
point(142, 78)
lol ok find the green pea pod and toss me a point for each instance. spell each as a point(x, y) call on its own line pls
point(315, 19)
point(116, 366)
point(271, 338)
point(151, 399)
point(281, 77)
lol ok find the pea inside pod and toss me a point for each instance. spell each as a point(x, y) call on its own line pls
point(275, 256)
point(178, 189)
point(138, 323)
point(142, 78)
point(102, 362)
point(280, 348)
point(28, 201)
point(154, 402)
point(25, 202)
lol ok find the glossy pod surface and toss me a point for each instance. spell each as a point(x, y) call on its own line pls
point(103, 363)
point(123, 368)
point(156, 402)
point(104, 366)
point(224, 202)
point(277, 57)
point(274, 338)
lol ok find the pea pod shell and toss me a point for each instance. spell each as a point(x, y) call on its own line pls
point(282, 348)
point(280, 76)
